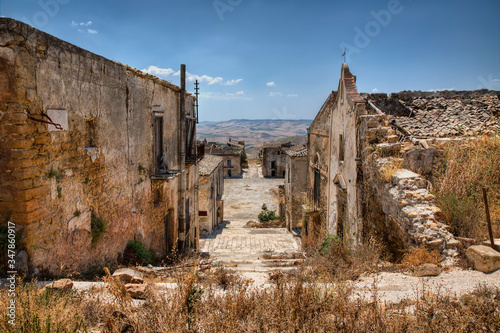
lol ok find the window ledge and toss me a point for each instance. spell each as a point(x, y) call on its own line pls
point(170, 174)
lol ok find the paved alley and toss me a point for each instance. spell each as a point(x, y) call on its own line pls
point(244, 247)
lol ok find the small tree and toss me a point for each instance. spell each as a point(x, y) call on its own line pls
point(267, 215)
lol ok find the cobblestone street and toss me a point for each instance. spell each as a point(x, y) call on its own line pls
point(244, 247)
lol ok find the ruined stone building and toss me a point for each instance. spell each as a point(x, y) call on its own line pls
point(273, 159)
point(295, 186)
point(211, 193)
point(231, 154)
point(93, 153)
point(366, 154)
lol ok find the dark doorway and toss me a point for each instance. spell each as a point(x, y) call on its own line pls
point(166, 222)
point(341, 213)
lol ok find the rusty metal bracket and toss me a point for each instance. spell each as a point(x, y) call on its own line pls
point(49, 121)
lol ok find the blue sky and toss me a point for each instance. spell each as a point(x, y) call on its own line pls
point(280, 59)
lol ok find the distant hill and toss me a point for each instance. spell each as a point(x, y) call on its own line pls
point(252, 151)
point(252, 131)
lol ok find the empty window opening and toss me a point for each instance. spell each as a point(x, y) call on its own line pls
point(157, 198)
point(158, 145)
point(341, 147)
point(317, 179)
point(90, 127)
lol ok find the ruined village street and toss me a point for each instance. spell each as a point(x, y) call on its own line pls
point(243, 248)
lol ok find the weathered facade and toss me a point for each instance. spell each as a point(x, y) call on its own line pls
point(232, 156)
point(273, 159)
point(358, 179)
point(318, 147)
point(295, 186)
point(211, 193)
point(333, 163)
point(88, 142)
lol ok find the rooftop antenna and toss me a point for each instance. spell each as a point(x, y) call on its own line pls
point(197, 93)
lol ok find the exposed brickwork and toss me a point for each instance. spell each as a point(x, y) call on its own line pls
point(53, 181)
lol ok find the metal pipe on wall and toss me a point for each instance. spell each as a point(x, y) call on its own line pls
point(182, 157)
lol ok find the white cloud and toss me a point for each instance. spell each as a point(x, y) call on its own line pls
point(270, 84)
point(164, 73)
point(292, 95)
point(232, 82)
point(239, 95)
point(153, 70)
point(374, 90)
point(275, 94)
point(82, 25)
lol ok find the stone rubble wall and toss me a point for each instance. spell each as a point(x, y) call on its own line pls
point(397, 201)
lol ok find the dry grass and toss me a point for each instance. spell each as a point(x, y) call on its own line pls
point(390, 168)
point(420, 255)
point(284, 307)
point(332, 261)
point(469, 166)
point(278, 223)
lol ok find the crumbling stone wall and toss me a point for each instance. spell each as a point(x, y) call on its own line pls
point(53, 181)
point(231, 155)
point(318, 147)
point(367, 190)
point(397, 203)
point(273, 160)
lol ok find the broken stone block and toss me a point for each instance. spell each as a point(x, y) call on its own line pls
point(433, 226)
point(62, 284)
point(452, 243)
point(127, 275)
point(427, 270)
point(483, 258)
point(136, 290)
point(435, 243)
point(412, 215)
point(429, 197)
point(392, 138)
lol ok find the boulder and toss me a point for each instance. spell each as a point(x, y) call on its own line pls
point(127, 275)
point(483, 258)
point(136, 290)
point(62, 284)
point(427, 270)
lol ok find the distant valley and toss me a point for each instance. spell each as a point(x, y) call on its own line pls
point(252, 131)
